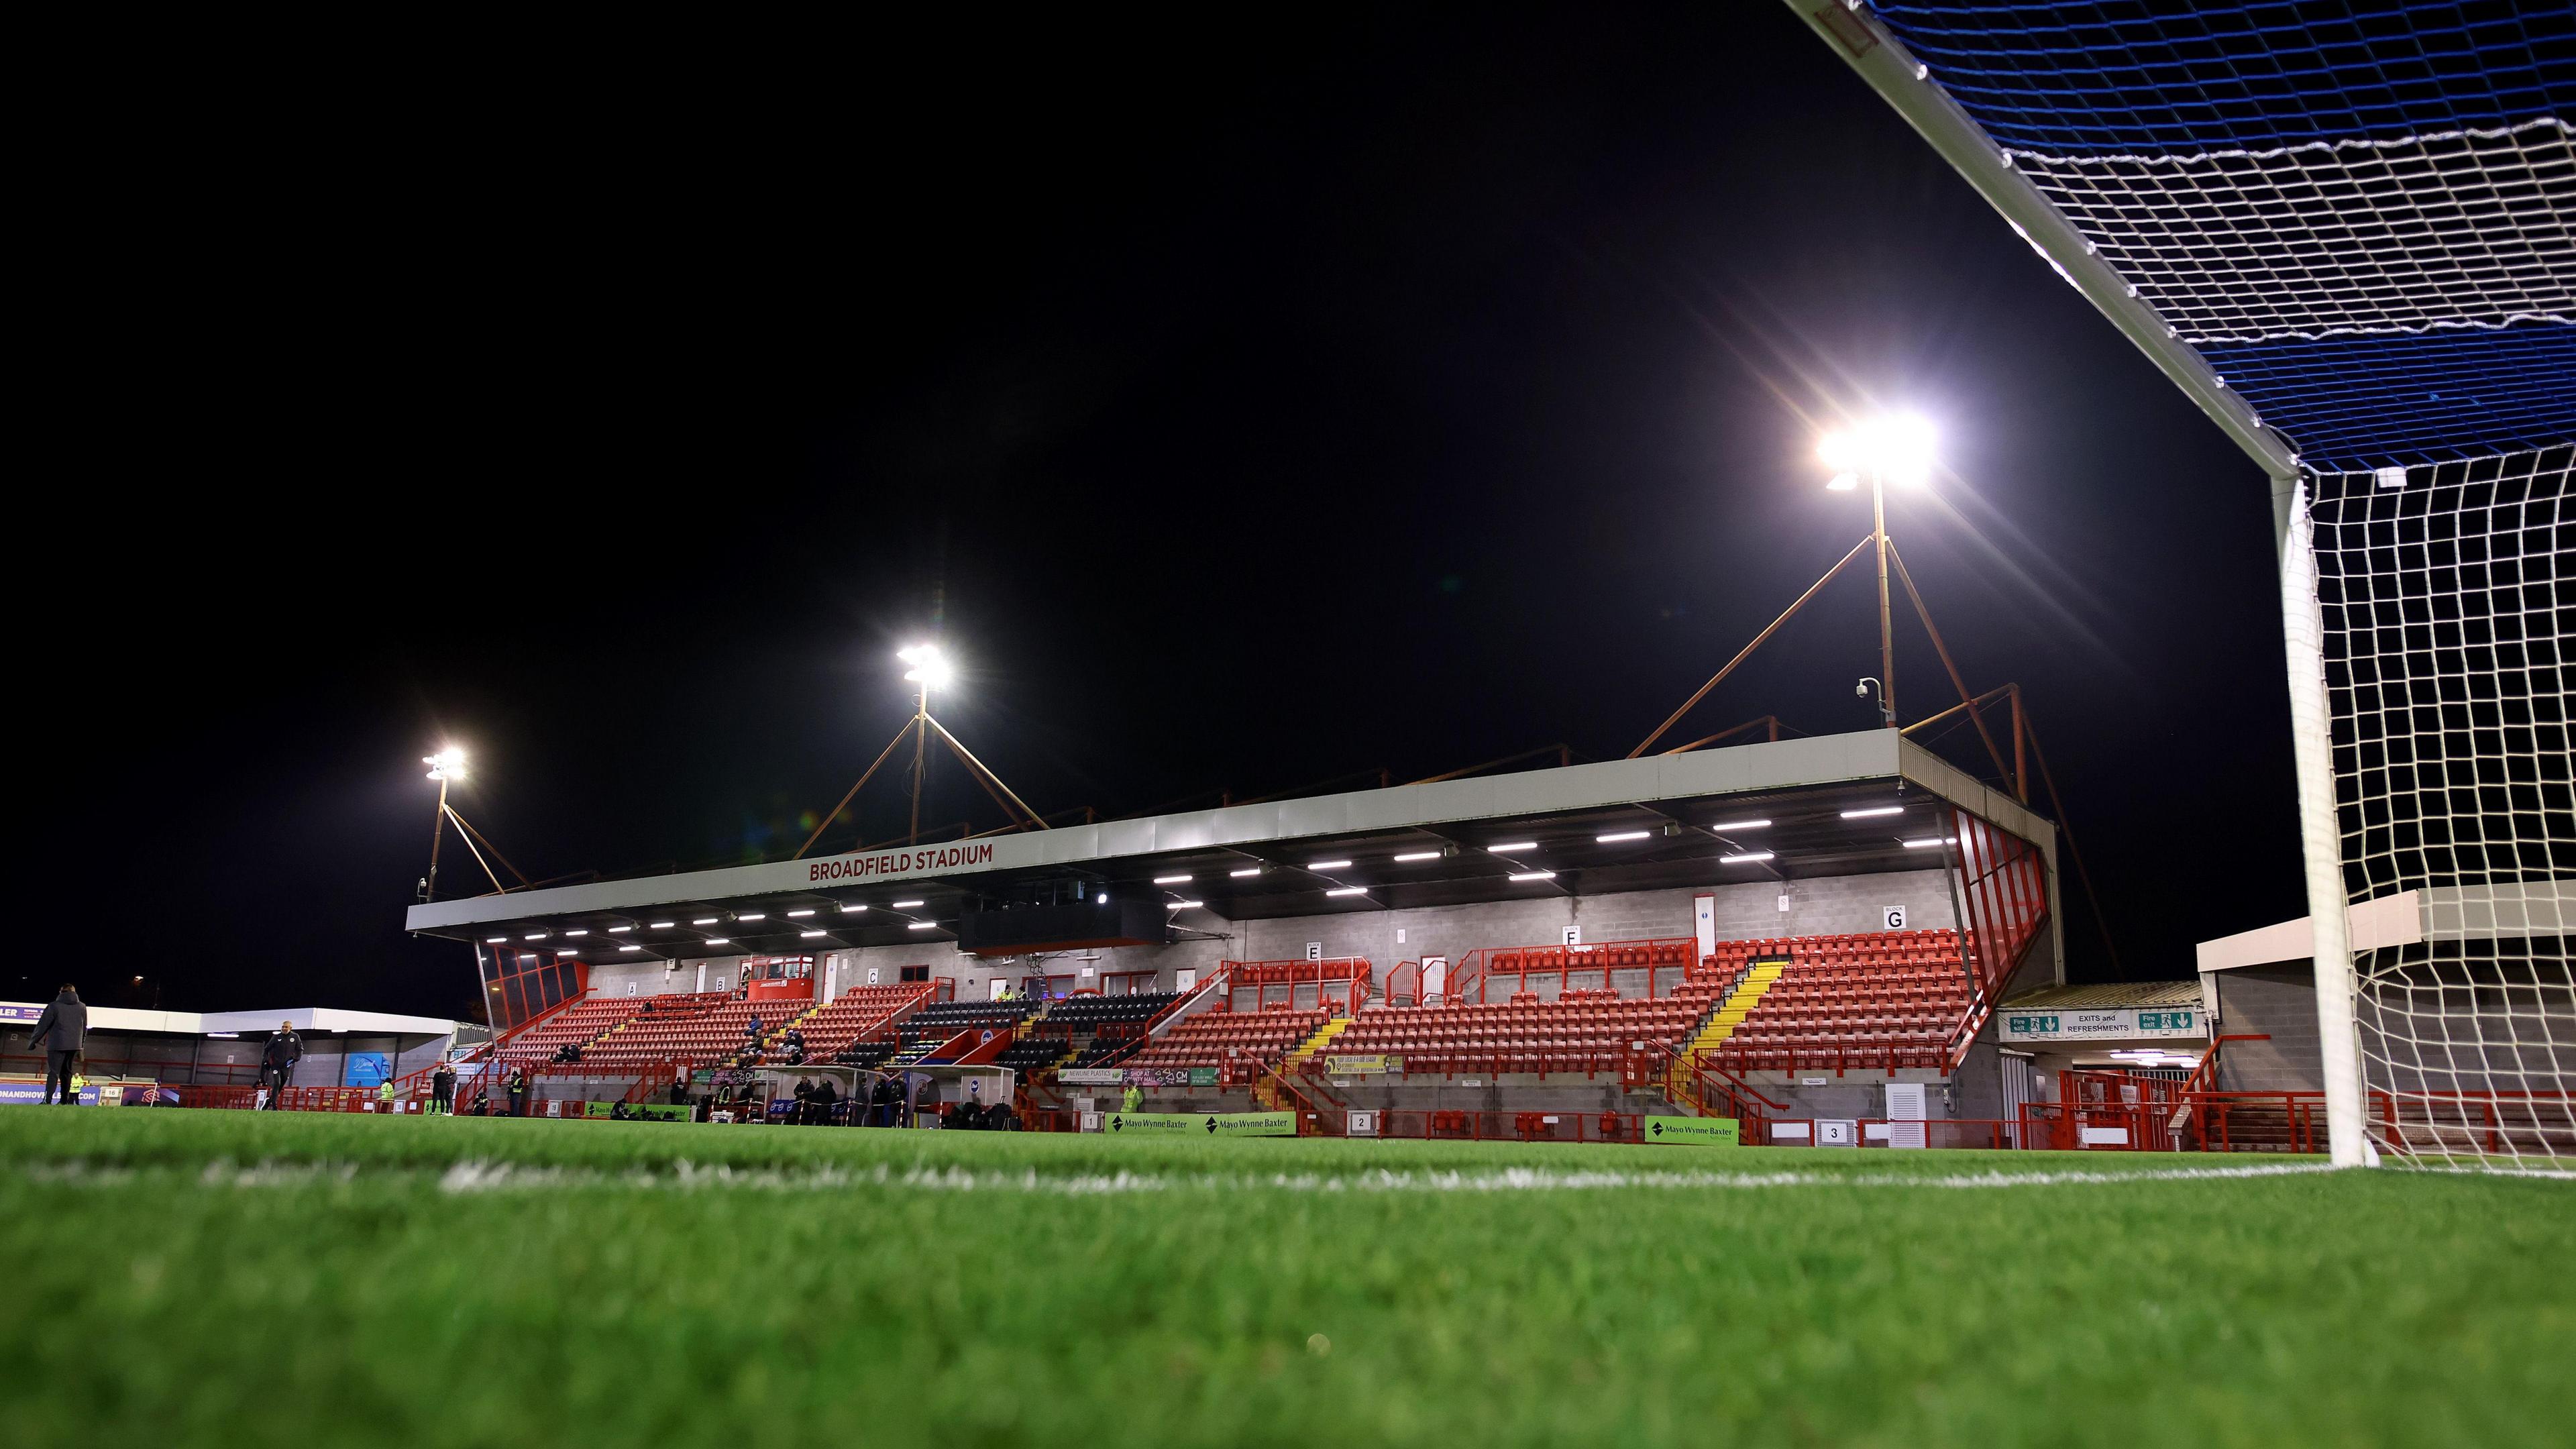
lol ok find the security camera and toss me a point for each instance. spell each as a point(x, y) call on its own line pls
point(1861, 690)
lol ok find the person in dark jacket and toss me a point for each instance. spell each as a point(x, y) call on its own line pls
point(60, 1029)
point(442, 1090)
point(277, 1062)
point(519, 1092)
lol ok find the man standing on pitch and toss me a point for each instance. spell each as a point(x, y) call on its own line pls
point(59, 1029)
point(277, 1064)
point(442, 1090)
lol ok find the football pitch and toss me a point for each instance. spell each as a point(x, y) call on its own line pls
point(184, 1277)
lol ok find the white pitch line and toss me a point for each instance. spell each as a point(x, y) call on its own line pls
point(481, 1176)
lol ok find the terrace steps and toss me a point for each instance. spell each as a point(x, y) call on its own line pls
point(1730, 1013)
point(1313, 1044)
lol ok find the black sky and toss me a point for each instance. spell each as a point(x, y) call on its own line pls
point(1244, 407)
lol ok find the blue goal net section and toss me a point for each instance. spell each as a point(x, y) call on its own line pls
point(2348, 232)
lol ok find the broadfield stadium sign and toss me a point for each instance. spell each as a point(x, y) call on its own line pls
point(889, 864)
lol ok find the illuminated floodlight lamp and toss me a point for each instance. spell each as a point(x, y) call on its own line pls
point(808, 935)
point(1411, 856)
point(494, 940)
point(1616, 836)
point(1748, 858)
point(1246, 872)
point(1929, 841)
point(923, 926)
point(719, 940)
point(1530, 875)
point(852, 910)
point(751, 915)
point(620, 930)
point(447, 764)
point(630, 948)
point(1327, 864)
point(799, 915)
point(1896, 448)
point(1349, 891)
point(1171, 880)
point(1510, 846)
point(1873, 811)
point(930, 668)
point(1183, 905)
point(1741, 825)
point(905, 905)
point(660, 925)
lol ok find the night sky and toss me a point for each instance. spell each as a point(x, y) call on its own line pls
point(1242, 408)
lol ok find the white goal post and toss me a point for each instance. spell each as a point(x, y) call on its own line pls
point(2425, 607)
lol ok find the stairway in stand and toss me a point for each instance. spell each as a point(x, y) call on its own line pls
point(1729, 1015)
point(1265, 1089)
point(1306, 1050)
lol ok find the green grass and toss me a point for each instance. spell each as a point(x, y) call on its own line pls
point(206, 1278)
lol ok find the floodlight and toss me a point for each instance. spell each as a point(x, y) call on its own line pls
point(447, 764)
point(929, 666)
point(1898, 447)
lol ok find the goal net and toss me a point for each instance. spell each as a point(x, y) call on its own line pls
point(2348, 230)
point(2448, 596)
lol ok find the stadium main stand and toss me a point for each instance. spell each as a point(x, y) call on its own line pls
point(1586, 1032)
point(696, 1027)
point(578, 1025)
point(1239, 1044)
point(1887, 1001)
point(865, 1013)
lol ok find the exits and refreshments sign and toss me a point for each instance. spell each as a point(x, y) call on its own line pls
point(1200, 1124)
point(2103, 1024)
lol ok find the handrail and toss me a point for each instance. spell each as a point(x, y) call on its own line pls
point(1702, 1069)
point(2206, 1071)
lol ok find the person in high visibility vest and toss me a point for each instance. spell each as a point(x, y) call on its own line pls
point(1135, 1099)
point(78, 1084)
point(385, 1092)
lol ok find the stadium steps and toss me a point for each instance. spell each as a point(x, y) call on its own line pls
point(1305, 1052)
point(1729, 1014)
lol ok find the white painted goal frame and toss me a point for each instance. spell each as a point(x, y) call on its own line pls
point(2420, 1013)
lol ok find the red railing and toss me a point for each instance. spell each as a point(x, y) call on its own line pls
point(1922, 1054)
point(1466, 1126)
point(2003, 893)
point(1341, 983)
point(1989, 1134)
point(1693, 1080)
